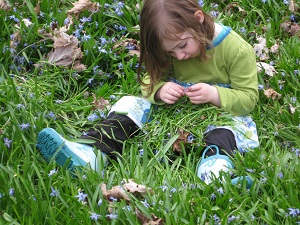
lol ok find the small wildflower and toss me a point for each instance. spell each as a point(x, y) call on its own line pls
point(220, 191)
point(66, 21)
point(127, 208)
point(296, 72)
point(84, 176)
point(112, 97)
point(141, 152)
point(100, 202)
point(201, 3)
point(90, 81)
point(52, 172)
point(11, 192)
point(59, 101)
point(113, 199)
point(51, 115)
point(286, 2)
point(280, 175)
point(85, 19)
point(190, 138)
point(216, 219)
point(250, 170)
point(173, 190)
point(112, 216)
point(213, 197)
point(54, 192)
point(232, 218)
point(163, 187)
point(243, 30)
point(145, 203)
point(95, 216)
point(81, 196)
point(294, 212)
point(272, 63)
point(7, 142)
point(24, 126)
point(264, 1)
point(92, 117)
point(260, 87)
point(19, 106)
point(85, 37)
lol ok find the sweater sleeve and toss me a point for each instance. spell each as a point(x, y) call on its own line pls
point(241, 98)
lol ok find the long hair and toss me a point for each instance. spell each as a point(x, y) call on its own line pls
point(165, 19)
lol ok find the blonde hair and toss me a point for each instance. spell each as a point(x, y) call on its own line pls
point(163, 19)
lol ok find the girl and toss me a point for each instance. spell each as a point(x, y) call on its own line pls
point(185, 54)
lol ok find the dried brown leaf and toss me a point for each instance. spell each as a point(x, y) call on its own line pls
point(121, 192)
point(66, 51)
point(293, 29)
point(131, 44)
point(270, 93)
point(5, 5)
point(144, 220)
point(181, 139)
point(37, 8)
point(100, 103)
point(82, 5)
point(274, 49)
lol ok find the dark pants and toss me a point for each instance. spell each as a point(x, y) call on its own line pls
point(110, 134)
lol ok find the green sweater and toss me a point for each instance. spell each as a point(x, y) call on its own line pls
point(231, 68)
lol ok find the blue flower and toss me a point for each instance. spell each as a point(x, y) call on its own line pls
point(7, 142)
point(145, 203)
point(19, 106)
point(85, 37)
point(59, 101)
point(51, 115)
point(232, 218)
point(294, 212)
point(243, 30)
point(113, 199)
point(260, 87)
point(11, 192)
point(81, 196)
point(66, 21)
point(54, 192)
point(296, 72)
point(213, 197)
point(163, 187)
point(286, 2)
point(52, 172)
point(95, 216)
point(93, 117)
point(264, 1)
point(100, 202)
point(201, 3)
point(280, 175)
point(85, 19)
point(141, 152)
point(24, 126)
point(220, 191)
point(112, 216)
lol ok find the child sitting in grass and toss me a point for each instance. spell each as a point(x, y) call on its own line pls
point(185, 54)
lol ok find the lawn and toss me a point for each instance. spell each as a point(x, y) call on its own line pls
point(64, 63)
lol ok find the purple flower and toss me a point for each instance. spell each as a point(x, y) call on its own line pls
point(213, 197)
point(95, 216)
point(54, 192)
point(145, 203)
point(100, 202)
point(85, 19)
point(163, 188)
point(81, 196)
point(11, 192)
point(86, 37)
point(243, 30)
point(112, 216)
point(24, 126)
point(7, 142)
point(232, 218)
point(294, 212)
point(220, 191)
point(52, 172)
point(92, 117)
point(280, 175)
point(66, 21)
point(201, 3)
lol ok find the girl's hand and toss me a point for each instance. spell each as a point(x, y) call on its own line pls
point(170, 92)
point(203, 93)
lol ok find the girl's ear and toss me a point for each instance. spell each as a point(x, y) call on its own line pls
point(199, 16)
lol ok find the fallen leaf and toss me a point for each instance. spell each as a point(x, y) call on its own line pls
point(291, 28)
point(5, 5)
point(181, 139)
point(15, 39)
point(100, 103)
point(270, 93)
point(274, 49)
point(269, 70)
point(144, 220)
point(37, 8)
point(82, 5)
point(120, 192)
point(66, 52)
point(130, 44)
point(261, 49)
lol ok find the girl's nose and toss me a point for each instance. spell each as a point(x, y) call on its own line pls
point(179, 55)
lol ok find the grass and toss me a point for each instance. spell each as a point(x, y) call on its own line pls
point(33, 98)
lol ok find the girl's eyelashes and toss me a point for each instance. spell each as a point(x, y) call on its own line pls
point(183, 46)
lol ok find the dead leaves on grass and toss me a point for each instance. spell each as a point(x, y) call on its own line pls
point(119, 193)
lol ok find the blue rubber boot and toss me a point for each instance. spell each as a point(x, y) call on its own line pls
point(210, 167)
point(52, 145)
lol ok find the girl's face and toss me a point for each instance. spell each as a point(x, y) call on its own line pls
point(185, 47)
